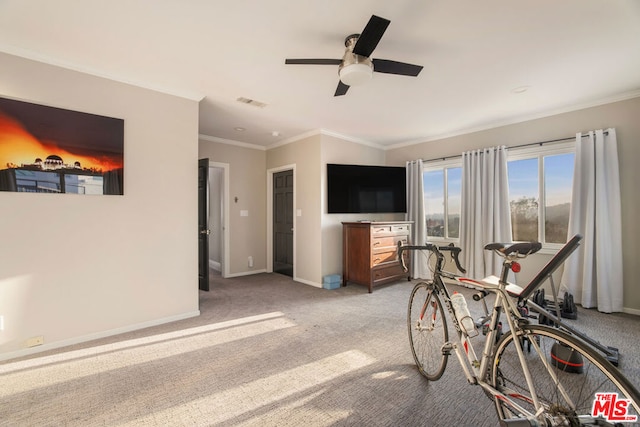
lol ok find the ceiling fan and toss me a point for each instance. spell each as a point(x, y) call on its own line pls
point(357, 66)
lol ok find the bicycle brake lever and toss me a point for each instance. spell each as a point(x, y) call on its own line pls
point(457, 261)
point(401, 258)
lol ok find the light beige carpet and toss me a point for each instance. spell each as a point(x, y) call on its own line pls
point(266, 351)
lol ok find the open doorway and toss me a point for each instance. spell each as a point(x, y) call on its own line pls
point(213, 220)
point(219, 217)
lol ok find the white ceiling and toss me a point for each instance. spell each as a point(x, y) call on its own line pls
point(570, 54)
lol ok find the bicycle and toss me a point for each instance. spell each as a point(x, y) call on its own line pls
point(537, 375)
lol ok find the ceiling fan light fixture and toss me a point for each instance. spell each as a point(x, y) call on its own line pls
point(355, 70)
point(355, 74)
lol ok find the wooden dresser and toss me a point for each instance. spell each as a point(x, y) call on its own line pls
point(369, 252)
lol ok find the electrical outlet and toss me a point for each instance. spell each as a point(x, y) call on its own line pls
point(34, 341)
point(250, 262)
point(1, 322)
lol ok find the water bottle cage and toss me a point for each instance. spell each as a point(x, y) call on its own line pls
point(473, 332)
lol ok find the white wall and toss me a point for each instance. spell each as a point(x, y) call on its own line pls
point(79, 267)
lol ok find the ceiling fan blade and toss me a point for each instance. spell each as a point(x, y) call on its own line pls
point(370, 36)
point(341, 89)
point(313, 61)
point(395, 67)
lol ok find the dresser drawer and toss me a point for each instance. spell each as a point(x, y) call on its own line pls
point(384, 257)
point(401, 228)
point(383, 243)
point(388, 273)
point(381, 229)
point(389, 229)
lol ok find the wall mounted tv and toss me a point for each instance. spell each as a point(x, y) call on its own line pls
point(366, 189)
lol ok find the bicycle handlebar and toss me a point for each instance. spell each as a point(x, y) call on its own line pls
point(454, 250)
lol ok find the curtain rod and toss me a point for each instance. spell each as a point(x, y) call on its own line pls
point(529, 144)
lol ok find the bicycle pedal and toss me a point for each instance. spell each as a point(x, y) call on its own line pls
point(446, 348)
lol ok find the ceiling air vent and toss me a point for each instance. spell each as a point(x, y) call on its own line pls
point(251, 102)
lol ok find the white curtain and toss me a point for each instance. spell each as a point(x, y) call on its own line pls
point(416, 213)
point(485, 213)
point(594, 274)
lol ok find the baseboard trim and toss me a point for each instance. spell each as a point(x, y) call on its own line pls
point(97, 335)
point(631, 311)
point(246, 273)
point(308, 282)
point(215, 265)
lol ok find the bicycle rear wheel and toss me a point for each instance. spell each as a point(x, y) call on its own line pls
point(581, 374)
point(427, 330)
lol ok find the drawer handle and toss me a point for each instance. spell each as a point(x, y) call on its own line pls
point(376, 243)
point(380, 230)
point(377, 260)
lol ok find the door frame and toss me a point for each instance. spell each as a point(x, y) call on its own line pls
point(203, 224)
point(224, 199)
point(270, 173)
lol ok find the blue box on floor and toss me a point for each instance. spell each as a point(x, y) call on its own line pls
point(331, 281)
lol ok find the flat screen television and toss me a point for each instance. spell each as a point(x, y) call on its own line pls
point(366, 189)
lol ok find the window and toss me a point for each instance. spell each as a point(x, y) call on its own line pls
point(442, 196)
point(540, 182)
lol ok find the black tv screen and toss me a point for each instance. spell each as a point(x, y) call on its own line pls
point(366, 189)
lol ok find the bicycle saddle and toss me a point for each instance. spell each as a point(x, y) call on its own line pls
point(522, 248)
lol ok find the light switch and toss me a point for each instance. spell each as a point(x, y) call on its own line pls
point(244, 213)
point(298, 212)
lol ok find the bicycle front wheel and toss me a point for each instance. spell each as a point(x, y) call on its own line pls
point(427, 330)
point(573, 382)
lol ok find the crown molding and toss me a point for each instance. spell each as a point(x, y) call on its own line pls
point(46, 59)
point(521, 119)
point(293, 139)
point(326, 132)
point(304, 135)
point(352, 139)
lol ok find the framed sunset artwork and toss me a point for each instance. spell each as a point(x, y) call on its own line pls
point(52, 150)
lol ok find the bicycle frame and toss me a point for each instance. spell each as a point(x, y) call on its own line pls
point(477, 370)
point(480, 368)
